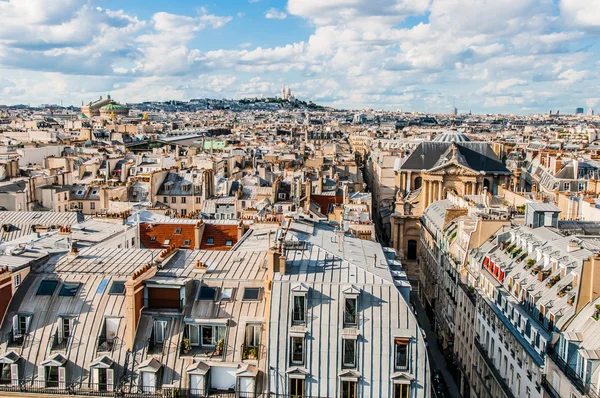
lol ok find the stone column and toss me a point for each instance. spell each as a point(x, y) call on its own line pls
point(441, 190)
point(425, 186)
point(430, 193)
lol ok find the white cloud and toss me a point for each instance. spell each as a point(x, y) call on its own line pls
point(414, 54)
point(274, 13)
point(582, 13)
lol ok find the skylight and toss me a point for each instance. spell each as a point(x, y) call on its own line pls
point(69, 289)
point(47, 288)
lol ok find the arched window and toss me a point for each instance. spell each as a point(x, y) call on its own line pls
point(418, 182)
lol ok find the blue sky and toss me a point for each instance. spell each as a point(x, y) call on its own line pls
point(501, 56)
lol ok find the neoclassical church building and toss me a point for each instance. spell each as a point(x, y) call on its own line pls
point(451, 162)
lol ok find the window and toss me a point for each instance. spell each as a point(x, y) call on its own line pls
point(47, 288)
point(226, 293)
point(153, 239)
point(177, 231)
point(17, 280)
point(348, 389)
point(80, 205)
point(581, 186)
point(92, 205)
point(350, 316)
point(210, 335)
point(69, 289)
point(207, 293)
point(253, 335)
point(20, 325)
point(117, 287)
point(165, 200)
point(401, 352)
point(65, 325)
point(167, 241)
point(299, 312)
point(349, 353)
point(296, 388)
point(297, 351)
point(251, 294)
point(210, 241)
point(228, 243)
point(401, 390)
point(173, 199)
point(183, 199)
point(566, 186)
point(198, 198)
point(183, 212)
point(186, 242)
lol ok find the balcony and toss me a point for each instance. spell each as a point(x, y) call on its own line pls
point(501, 381)
point(548, 389)
point(14, 341)
point(250, 353)
point(59, 343)
point(104, 344)
point(586, 389)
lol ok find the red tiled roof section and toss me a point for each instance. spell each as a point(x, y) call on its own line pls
point(324, 201)
point(162, 232)
point(220, 234)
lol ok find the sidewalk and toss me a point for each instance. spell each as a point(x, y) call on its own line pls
point(437, 360)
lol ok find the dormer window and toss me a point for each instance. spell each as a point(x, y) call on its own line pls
point(177, 231)
point(299, 311)
point(401, 353)
point(350, 311)
point(349, 353)
point(210, 241)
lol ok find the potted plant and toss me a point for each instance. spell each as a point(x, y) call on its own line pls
point(252, 353)
point(220, 345)
point(186, 345)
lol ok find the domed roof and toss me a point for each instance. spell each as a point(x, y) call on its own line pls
point(452, 136)
point(113, 106)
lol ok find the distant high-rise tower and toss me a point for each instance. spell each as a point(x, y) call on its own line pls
point(579, 111)
point(590, 112)
point(455, 111)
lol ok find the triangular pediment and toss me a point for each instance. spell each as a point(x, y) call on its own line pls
point(452, 167)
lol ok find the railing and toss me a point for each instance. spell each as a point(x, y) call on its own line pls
point(104, 344)
point(573, 377)
point(14, 341)
point(154, 348)
point(59, 343)
point(250, 352)
point(102, 390)
point(550, 391)
point(501, 381)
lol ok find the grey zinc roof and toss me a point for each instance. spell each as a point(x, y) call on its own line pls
point(479, 156)
point(326, 273)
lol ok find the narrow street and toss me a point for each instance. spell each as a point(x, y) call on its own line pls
point(436, 357)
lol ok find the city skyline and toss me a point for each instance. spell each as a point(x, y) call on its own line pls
point(510, 56)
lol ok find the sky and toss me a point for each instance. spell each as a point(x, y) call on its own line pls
point(484, 56)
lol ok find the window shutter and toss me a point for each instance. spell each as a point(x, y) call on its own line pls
point(27, 323)
point(95, 379)
point(110, 383)
point(15, 325)
point(61, 330)
point(61, 377)
point(14, 374)
point(41, 376)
